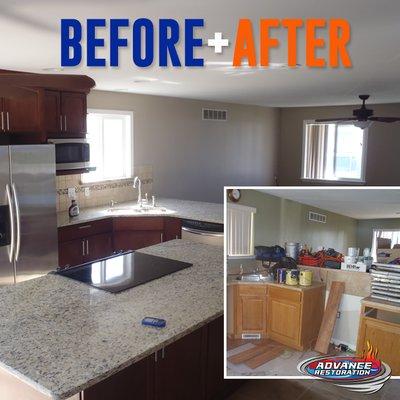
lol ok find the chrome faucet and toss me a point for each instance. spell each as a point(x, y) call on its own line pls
point(137, 183)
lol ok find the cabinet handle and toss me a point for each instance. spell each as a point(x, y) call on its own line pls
point(177, 237)
point(61, 122)
point(163, 353)
point(161, 237)
point(87, 247)
point(65, 122)
point(8, 121)
point(2, 121)
point(83, 247)
point(155, 356)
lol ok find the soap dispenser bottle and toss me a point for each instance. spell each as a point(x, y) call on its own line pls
point(73, 210)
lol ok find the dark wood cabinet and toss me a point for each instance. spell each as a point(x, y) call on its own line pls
point(172, 228)
point(133, 383)
point(70, 253)
point(179, 370)
point(21, 113)
point(65, 114)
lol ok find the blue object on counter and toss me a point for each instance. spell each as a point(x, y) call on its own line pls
point(154, 322)
point(269, 253)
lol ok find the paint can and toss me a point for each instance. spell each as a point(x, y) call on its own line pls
point(281, 275)
point(292, 277)
point(306, 277)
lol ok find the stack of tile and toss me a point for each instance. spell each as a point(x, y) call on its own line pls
point(385, 283)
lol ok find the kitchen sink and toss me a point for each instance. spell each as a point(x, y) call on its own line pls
point(144, 210)
point(253, 278)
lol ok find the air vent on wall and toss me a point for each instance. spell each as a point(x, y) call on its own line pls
point(251, 336)
point(210, 114)
point(316, 217)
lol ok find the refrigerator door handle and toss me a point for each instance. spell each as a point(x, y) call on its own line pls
point(12, 223)
point(18, 222)
point(2, 121)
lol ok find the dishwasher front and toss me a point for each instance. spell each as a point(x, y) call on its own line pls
point(203, 232)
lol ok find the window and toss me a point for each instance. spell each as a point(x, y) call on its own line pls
point(386, 238)
point(240, 228)
point(110, 135)
point(334, 152)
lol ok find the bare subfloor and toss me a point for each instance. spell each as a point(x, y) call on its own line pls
point(279, 389)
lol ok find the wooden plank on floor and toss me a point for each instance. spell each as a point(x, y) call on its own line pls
point(243, 356)
point(270, 354)
point(234, 343)
point(329, 318)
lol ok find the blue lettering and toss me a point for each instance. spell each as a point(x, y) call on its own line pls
point(115, 41)
point(93, 42)
point(68, 42)
point(191, 42)
point(167, 43)
point(149, 42)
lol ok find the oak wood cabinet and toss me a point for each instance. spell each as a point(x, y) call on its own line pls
point(291, 316)
point(190, 368)
point(251, 310)
point(380, 327)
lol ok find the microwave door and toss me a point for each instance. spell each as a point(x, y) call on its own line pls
point(7, 272)
point(34, 189)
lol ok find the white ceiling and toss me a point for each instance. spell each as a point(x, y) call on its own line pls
point(363, 203)
point(30, 41)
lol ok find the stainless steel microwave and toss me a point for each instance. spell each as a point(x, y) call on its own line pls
point(72, 154)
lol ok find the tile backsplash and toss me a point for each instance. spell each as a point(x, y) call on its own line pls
point(103, 192)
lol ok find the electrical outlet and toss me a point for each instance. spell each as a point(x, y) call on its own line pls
point(87, 191)
point(71, 193)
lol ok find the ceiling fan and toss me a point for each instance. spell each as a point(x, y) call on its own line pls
point(363, 116)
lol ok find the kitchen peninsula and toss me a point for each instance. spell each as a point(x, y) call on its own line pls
point(72, 338)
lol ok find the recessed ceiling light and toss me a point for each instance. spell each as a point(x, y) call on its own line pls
point(171, 82)
point(142, 79)
point(53, 69)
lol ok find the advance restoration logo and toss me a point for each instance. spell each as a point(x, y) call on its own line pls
point(365, 374)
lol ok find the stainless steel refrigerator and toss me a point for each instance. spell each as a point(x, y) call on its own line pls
point(28, 219)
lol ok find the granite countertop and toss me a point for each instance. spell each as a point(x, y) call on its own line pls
point(197, 210)
point(231, 280)
point(62, 336)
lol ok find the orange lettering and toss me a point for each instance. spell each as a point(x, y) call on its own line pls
point(244, 47)
point(339, 36)
point(314, 42)
point(266, 42)
point(291, 25)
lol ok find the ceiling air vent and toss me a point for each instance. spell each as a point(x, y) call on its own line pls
point(316, 217)
point(210, 114)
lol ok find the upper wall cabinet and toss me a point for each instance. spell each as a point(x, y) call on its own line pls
point(65, 114)
point(20, 112)
point(35, 107)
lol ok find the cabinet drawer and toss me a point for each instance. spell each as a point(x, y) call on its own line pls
point(83, 230)
point(139, 224)
point(285, 294)
point(253, 290)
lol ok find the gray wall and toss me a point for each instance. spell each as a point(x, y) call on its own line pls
point(278, 221)
point(383, 143)
point(193, 159)
point(366, 227)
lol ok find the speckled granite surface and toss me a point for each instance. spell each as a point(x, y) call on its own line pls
point(63, 336)
point(199, 211)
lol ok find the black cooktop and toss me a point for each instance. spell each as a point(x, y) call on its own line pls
point(123, 271)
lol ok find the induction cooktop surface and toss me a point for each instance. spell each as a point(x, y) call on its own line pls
point(124, 271)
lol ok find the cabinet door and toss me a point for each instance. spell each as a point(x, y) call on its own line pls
point(384, 337)
point(179, 370)
point(71, 252)
point(98, 246)
point(251, 310)
point(172, 229)
point(22, 111)
point(73, 111)
point(134, 240)
point(52, 117)
point(284, 321)
point(132, 383)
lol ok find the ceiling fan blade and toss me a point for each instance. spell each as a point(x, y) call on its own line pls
point(384, 119)
point(336, 119)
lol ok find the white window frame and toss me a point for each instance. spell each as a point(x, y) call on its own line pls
point(242, 208)
point(360, 181)
point(132, 144)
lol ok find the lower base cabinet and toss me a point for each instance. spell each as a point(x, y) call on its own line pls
point(190, 368)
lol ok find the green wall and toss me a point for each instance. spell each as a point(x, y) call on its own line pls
point(366, 227)
point(279, 220)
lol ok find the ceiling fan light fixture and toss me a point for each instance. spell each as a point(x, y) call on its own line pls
point(363, 124)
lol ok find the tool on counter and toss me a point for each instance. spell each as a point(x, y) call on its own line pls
point(154, 322)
